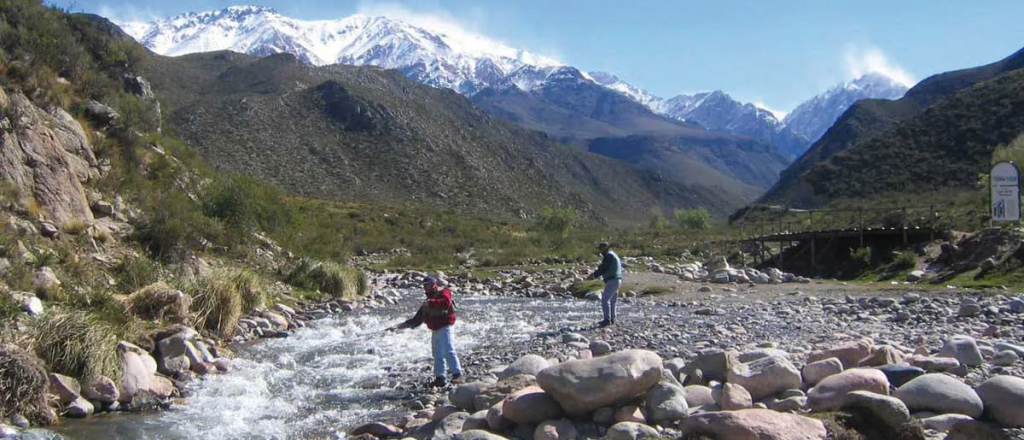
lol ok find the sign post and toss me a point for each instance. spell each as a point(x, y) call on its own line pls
point(1005, 186)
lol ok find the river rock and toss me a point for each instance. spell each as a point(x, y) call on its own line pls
point(975, 430)
point(530, 405)
point(555, 430)
point(1003, 397)
point(582, 386)
point(930, 363)
point(761, 353)
point(754, 424)
point(630, 413)
point(79, 408)
point(849, 354)
point(890, 410)
point(529, 364)
point(731, 397)
point(161, 387)
point(884, 355)
point(478, 434)
point(944, 422)
point(964, 349)
point(940, 393)
point(101, 389)
point(477, 420)
point(766, 376)
point(444, 429)
point(1005, 358)
point(814, 372)
point(714, 365)
point(675, 366)
point(379, 430)
point(900, 374)
point(699, 395)
point(173, 359)
point(496, 419)
point(600, 348)
point(604, 416)
point(442, 412)
point(135, 376)
point(630, 431)
point(464, 396)
point(67, 389)
point(830, 393)
point(667, 403)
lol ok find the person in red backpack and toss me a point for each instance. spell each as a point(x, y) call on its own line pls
point(438, 312)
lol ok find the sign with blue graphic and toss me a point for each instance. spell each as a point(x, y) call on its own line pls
point(1005, 185)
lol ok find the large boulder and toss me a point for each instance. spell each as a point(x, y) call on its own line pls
point(964, 349)
point(67, 389)
point(975, 430)
point(530, 364)
point(849, 354)
point(754, 424)
point(900, 374)
point(530, 405)
point(814, 372)
point(101, 389)
point(1003, 397)
point(666, 404)
point(731, 397)
point(765, 377)
point(630, 431)
point(890, 410)
point(582, 386)
point(464, 396)
point(713, 365)
point(376, 429)
point(135, 377)
point(699, 395)
point(47, 156)
point(830, 393)
point(941, 394)
point(173, 352)
point(444, 429)
point(79, 408)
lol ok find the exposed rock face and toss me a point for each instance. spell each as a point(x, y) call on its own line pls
point(47, 156)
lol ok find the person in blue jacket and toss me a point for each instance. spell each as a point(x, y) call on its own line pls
point(610, 271)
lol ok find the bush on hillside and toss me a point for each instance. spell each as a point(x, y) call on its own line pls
point(134, 273)
point(698, 219)
point(23, 382)
point(216, 303)
point(328, 277)
point(906, 260)
point(159, 301)
point(76, 344)
point(557, 221)
point(245, 205)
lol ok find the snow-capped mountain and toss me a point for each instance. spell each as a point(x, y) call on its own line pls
point(655, 103)
point(439, 57)
point(815, 116)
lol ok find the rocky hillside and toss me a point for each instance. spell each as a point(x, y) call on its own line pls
point(940, 134)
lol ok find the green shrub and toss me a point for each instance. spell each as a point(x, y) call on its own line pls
point(906, 260)
point(698, 219)
point(23, 382)
point(216, 303)
point(557, 221)
point(330, 278)
point(76, 344)
point(245, 205)
point(176, 225)
point(9, 308)
point(134, 273)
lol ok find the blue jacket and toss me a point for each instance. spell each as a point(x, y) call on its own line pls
point(610, 268)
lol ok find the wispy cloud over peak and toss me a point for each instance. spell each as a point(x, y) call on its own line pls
point(861, 61)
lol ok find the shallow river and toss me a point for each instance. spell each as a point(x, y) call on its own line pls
point(333, 375)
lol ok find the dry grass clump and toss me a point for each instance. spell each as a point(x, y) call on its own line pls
point(159, 301)
point(252, 288)
point(76, 344)
point(216, 303)
point(23, 382)
point(328, 277)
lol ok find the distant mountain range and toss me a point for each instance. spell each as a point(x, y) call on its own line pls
point(469, 64)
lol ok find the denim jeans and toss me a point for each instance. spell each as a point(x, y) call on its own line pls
point(444, 353)
point(609, 297)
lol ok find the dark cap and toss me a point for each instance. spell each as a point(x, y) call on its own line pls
point(429, 280)
point(603, 245)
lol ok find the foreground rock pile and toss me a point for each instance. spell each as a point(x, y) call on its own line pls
point(763, 394)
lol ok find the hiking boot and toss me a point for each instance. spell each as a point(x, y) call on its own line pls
point(438, 382)
point(604, 323)
point(457, 379)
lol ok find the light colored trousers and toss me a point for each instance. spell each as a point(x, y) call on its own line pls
point(444, 353)
point(609, 297)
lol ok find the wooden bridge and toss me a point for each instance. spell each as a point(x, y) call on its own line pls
point(817, 231)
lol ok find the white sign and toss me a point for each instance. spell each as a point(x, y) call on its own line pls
point(1005, 186)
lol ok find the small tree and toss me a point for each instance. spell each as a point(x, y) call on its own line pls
point(558, 221)
point(658, 220)
point(698, 219)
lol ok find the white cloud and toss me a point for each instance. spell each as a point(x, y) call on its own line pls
point(860, 61)
point(128, 12)
point(779, 114)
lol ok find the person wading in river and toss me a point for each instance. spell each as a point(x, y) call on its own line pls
point(438, 312)
point(610, 272)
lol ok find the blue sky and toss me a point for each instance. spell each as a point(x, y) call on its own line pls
point(777, 53)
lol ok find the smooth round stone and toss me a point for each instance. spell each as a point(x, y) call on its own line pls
point(900, 374)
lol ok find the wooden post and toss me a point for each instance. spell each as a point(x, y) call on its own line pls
point(860, 221)
point(904, 221)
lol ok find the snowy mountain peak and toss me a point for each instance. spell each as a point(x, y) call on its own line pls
point(656, 104)
point(814, 117)
point(450, 58)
